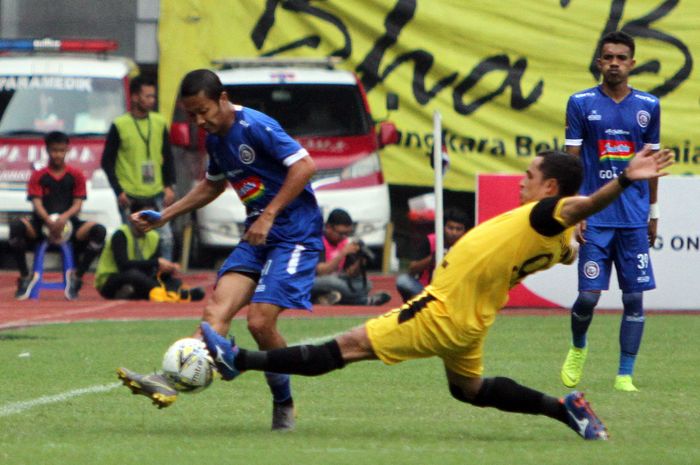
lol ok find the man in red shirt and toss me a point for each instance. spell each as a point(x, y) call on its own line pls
point(340, 273)
point(57, 193)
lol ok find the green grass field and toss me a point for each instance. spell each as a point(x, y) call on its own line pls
point(364, 414)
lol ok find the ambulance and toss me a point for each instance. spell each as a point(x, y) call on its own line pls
point(58, 85)
point(326, 110)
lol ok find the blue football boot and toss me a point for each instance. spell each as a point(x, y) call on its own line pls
point(582, 419)
point(222, 351)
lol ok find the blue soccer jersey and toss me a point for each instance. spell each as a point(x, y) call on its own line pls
point(254, 157)
point(609, 135)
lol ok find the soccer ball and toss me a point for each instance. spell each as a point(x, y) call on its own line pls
point(188, 366)
point(65, 235)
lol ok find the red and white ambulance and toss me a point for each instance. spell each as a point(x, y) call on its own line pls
point(327, 111)
point(65, 85)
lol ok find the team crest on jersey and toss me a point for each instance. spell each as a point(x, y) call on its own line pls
point(249, 189)
point(591, 269)
point(643, 118)
point(246, 154)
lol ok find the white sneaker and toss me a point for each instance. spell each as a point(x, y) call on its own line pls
point(329, 298)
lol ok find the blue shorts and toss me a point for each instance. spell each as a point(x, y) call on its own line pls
point(628, 248)
point(287, 272)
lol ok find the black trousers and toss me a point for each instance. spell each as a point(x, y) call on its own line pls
point(142, 283)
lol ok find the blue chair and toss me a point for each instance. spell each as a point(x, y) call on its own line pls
point(68, 265)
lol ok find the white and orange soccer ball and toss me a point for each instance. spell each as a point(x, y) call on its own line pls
point(188, 366)
point(65, 235)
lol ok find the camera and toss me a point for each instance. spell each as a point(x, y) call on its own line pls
point(364, 254)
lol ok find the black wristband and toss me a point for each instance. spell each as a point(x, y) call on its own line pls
point(624, 181)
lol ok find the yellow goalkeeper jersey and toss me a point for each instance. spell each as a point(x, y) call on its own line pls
point(475, 276)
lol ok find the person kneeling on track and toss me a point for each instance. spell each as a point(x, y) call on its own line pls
point(131, 267)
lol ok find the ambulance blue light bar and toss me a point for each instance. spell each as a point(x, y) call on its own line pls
point(58, 45)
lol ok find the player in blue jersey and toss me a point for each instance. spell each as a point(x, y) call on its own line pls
point(273, 267)
point(605, 126)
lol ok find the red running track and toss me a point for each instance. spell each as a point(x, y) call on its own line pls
point(52, 307)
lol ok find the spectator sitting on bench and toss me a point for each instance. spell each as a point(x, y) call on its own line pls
point(57, 193)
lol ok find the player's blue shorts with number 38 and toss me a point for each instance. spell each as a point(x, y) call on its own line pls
point(627, 248)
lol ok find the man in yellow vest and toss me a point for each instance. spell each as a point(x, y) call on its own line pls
point(130, 267)
point(138, 160)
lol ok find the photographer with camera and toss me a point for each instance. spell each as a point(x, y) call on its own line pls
point(341, 275)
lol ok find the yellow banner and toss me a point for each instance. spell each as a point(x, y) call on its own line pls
point(500, 73)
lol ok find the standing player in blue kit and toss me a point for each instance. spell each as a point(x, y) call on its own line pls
point(273, 267)
point(605, 126)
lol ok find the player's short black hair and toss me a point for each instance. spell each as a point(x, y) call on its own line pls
point(201, 80)
point(567, 169)
point(138, 82)
point(56, 137)
point(617, 37)
point(457, 215)
point(339, 217)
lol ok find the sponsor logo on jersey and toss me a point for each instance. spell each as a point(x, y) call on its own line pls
point(246, 154)
point(249, 189)
point(643, 118)
point(584, 94)
point(616, 132)
point(233, 173)
point(594, 116)
point(645, 97)
point(609, 149)
point(591, 270)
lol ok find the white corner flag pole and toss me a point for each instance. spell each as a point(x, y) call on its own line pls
point(437, 168)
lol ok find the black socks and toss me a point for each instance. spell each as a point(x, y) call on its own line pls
point(307, 360)
point(509, 396)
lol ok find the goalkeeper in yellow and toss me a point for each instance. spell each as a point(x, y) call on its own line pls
point(451, 317)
